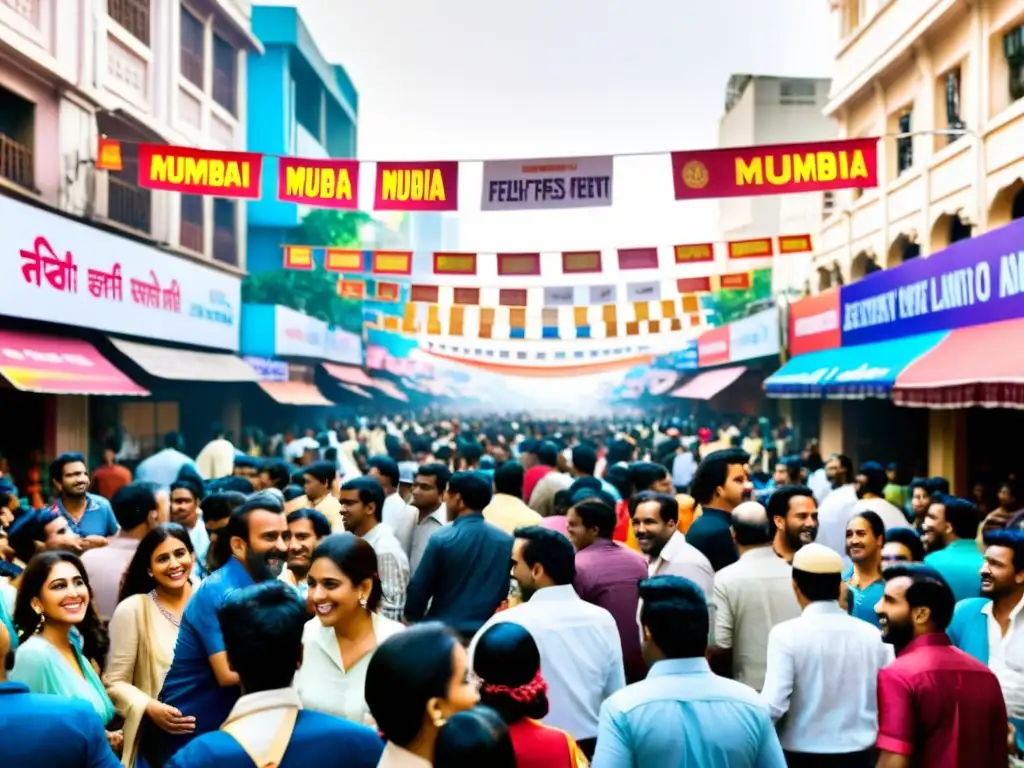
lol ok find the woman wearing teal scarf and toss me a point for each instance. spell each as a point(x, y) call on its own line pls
point(7, 621)
point(54, 599)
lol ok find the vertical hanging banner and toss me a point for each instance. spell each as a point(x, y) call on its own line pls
point(638, 258)
point(323, 183)
point(524, 185)
point(649, 290)
point(775, 169)
point(518, 263)
point(200, 171)
point(417, 187)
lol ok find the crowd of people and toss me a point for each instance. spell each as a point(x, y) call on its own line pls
point(507, 592)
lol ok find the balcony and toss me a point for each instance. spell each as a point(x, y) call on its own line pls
point(17, 163)
point(133, 15)
point(129, 204)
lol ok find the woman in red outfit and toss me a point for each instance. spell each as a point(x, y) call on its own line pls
point(507, 663)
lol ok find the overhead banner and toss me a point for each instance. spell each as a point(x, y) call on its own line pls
point(776, 169)
point(323, 183)
point(559, 296)
point(200, 171)
point(525, 185)
point(649, 290)
point(972, 282)
point(417, 187)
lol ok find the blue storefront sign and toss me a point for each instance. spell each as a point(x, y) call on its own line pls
point(681, 360)
point(972, 282)
point(271, 331)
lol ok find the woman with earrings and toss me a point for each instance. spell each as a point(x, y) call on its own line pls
point(54, 598)
point(143, 631)
point(344, 595)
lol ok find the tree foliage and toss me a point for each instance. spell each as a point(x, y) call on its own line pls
point(732, 305)
point(314, 291)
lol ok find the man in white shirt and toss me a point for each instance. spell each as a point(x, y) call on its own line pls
point(580, 651)
point(217, 459)
point(655, 524)
point(823, 671)
point(835, 511)
point(871, 482)
point(428, 488)
point(395, 513)
point(751, 596)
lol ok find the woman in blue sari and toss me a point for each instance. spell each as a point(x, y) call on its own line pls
point(54, 599)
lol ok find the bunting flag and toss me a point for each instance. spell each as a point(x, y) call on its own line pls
point(577, 262)
point(323, 183)
point(518, 263)
point(392, 263)
point(794, 244)
point(108, 155)
point(342, 260)
point(298, 257)
point(454, 263)
point(387, 291)
point(739, 281)
point(352, 289)
point(200, 171)
point(694, 254)
point(638, 258)
point(751, 249)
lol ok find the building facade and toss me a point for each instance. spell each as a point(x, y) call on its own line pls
point(91, 253)
point(763, 110)
point(299, 105)
point(943, 82)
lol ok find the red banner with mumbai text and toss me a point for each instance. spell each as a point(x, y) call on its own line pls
point(323, 183)
point(200, 171)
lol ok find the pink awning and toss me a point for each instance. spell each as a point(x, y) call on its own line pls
point(348, 374)
point(710, 383)
point(294, 393)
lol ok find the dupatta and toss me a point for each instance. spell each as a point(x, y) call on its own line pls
point(40, 666)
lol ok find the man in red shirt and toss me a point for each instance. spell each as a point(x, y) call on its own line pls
point(937, 706)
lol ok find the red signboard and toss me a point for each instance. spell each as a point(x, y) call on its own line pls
point(814, 323)
point(713, 347)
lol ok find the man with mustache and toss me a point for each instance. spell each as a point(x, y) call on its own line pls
point(937, 706)
point(201, 682)
point(794, 514)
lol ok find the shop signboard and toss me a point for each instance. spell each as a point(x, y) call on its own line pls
point(59, 270)
point(267, 369)
point(713, 347)
point(972, 282)
point(754, 336)
point(275, 331)
point(814, 323)
point(296, 334)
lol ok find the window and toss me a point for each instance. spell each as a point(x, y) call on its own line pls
point(192, 223)
point(905, 143)
point(192, 44)
point(224, 77)
point(225, 249)
point(133, 15)
point(127, 202)
point(953, 120)
point(792, 92)
point(828, 204)
point(17, 139)
point(1013, 47)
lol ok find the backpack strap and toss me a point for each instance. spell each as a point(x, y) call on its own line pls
point(278, 745)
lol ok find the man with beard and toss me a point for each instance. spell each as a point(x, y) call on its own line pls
point(949, 536)
point(579, 646)
point(306, 529)
point(937, 706)
point(656, 526)
point(794, 513)
point(720, 485)
point(201, 682)
point(996, 615)
point(837, 508)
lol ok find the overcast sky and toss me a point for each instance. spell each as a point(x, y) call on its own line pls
point(465, 79)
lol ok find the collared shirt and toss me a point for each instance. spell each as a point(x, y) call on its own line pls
point(162, 468)
point(508, 513)
point(752, 596)
point(822, 676)
point(106, 567)
point(609, 575)
point(397, 757)
point(393, 567)
point(680, 558)
point(1006, 657)
point(328, 506)
point(959, 563)
point(190, 684)
point(422, 532)
point(200, 538)
point(108, 479)
point(684, 716)
point(833, 515)
point(580, 654)
point(402, 519)
point(941, 707)
point(463, 576)
point(97, 520)
point(711, 533)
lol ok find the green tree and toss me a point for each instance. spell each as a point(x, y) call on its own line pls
point(314, 291)
point(732, 305)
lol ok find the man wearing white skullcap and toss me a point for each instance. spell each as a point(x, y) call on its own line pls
point(823, 671)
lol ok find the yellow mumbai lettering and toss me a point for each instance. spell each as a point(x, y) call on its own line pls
point(796, 168)
point(318, 183)
point(418, 185)
point(200, 171)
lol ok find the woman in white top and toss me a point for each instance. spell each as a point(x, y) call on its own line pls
point(344, 593)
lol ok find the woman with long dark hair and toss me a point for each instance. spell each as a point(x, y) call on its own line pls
point(507, 663)
point(53, 599)
point(144, 629)
point(474, 738)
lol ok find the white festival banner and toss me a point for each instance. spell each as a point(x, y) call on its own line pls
point(550, 184)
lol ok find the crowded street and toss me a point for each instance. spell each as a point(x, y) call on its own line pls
point(665, 418)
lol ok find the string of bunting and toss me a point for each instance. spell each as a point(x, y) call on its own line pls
point(508, 185)
point(355, 261)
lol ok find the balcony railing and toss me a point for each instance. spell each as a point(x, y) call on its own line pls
point(133, 15)
point(129, 204)
point(17, 163)
point(192, 236)
point(225, 246)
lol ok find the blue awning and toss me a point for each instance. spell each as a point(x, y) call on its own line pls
point(867, 370)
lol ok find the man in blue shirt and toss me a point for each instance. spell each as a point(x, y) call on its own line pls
point(950, 530)
point(683, 715)
point(44, 730)
point(464, 573)
point(262, 627)
point(201, 683)
point(88, 514)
